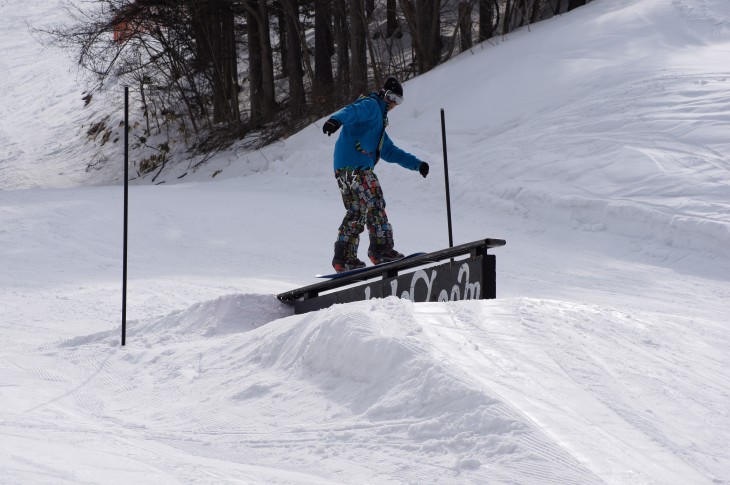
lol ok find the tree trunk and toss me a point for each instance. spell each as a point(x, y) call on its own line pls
point(488, 19)
point(465, 26)
point(255, 71)
point(358, 49)
point(573, 4)
point(507, 20)
point(342, 38)
point(282, 34)
point(538, 6)
point(267, 63)
point(423, 19)
point(201, 33)
point(520, 13)
point(369, 9)
point(297, 100)
point(229, 67)
point(213, 28)
point(323, 44)
point(430, 18)
point(391, 18)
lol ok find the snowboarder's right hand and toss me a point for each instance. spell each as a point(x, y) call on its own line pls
point(330, 126)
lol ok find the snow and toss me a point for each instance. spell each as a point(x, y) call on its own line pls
point(595, 144)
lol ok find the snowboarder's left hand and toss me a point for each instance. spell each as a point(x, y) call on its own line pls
point(423, 169)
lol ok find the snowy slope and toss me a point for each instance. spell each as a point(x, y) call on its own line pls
point(41, 106)
point(595, 144)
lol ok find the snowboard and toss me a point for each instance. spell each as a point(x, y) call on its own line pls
point(335, 276)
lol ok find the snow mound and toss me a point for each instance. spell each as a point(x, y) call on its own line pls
point(362, 383)
point(516, 390)
point(223, 316)
point(215, 318)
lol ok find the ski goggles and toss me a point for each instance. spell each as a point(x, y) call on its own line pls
point(390, 96)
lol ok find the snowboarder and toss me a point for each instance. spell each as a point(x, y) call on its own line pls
point(361, 144)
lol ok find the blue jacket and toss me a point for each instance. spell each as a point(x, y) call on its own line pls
point(363, 131)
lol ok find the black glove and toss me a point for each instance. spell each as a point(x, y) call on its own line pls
point(423, 169)
point(330, 126)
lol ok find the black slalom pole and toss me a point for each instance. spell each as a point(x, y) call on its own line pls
point(126, 214)
point(446, 178)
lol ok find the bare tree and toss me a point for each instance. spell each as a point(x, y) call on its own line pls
point(220, 47)
point(465, 25)
point(297, 99)
point(369, 9)
point(391, 22)
point(282, 33)
point(255, 69)
point(192, 59)
point(342, 40)
point(261, 63)
point(267, 61)
point(573, 4)
point(488, 19)
point(323, 48)
point(424, 21)
point(180, 54)
point(358, 53)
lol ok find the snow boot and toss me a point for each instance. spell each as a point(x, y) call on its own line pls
point(344, 262)
point(380, 253)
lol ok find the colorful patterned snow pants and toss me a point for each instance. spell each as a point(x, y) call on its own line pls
point(363, 199)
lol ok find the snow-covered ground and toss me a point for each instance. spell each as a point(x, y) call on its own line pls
point(597, 144)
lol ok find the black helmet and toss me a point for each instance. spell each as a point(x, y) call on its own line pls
point(393, 85)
